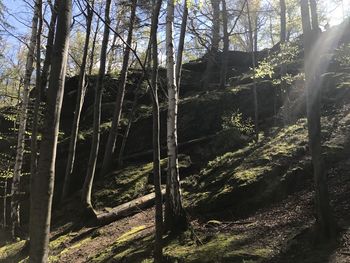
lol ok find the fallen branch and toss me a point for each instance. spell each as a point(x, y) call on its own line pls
point(126, 209)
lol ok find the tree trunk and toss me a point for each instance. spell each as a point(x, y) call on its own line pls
point(15, 188)
point(255, 95)
point(325, 222)
point(86, 193)
point(180, 49)
point(283, 21)
point(113, 47)
point(49, 47)
point(42, 187)
point(112, 137)
point(130, 119)
point(283, 69)
point(223, 72)
point(126, 209)
point(78, 107)
point(314, 16)
point(214, 44)
point(175, 217)
point(41, 86)
point(132, 113)
point(158, 244)
point(4, 203)
point(93, 47)
point(38, 91)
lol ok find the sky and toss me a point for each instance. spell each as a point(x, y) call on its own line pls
point(19, 14)
point(336, 12)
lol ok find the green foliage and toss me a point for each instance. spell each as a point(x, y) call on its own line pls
point(342, 55)
point(234, 120)
point(270, 66)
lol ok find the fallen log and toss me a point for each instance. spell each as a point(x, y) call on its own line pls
point(127, 209)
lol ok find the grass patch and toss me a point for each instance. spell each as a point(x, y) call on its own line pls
point(11, 250)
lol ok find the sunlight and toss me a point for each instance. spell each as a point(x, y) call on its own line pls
point(337, 11)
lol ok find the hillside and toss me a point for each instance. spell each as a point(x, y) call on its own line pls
point(246, 201)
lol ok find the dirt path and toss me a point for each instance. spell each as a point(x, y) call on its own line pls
point(83, 245)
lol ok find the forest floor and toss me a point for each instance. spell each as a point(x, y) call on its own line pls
point(280, 232)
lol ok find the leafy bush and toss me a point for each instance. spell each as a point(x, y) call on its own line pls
point(234, 120)
point(342, 55)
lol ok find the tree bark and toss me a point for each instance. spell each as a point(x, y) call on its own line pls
point(283, 69)
point(158, 244)
point(112, 137)
point(314, 15)
point(4, 203)
point(15, 188)
point(113, 46)
point(91, 66)
point(42, 187)
point(87, 187)
point(214, 44)
point(180, 49)
point(255, 95)
point(223, 72)
point(325, 222)
point(175, 217)
point(81, 89)
point(38, 91)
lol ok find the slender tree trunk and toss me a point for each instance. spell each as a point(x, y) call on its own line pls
point(38, 91)
point(93, 47)
point(175, 217)
point(4, 202)
point(214, 44)
point(113, 47)
point(86, 193)
point(49, 48)
point(325, 222)
point(255, 95)
point(112, 137)
point(78, 107)
point(130, 119)
point(283, 69)
point(180, 49)
point(283, 21)
point(132, 113)
point(158, 244)
point(314, 15)
point(15, 189)
point(43, 185)
point(223, 72)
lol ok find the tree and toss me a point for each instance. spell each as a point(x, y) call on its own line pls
point(226, 41)
point(253, 51)
point(41, 83)
point(158, 244)
point(283, 36)
point(15, 188)
point(81, 89)
point(175, 217)
point(215, 41)
point(181, 44)
point(324, 218)
point(43, 184)
point(87, 187)
point(112, 137)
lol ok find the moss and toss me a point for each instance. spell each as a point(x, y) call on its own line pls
point(253, 164)
point(76, 245)
point(11, 250)
point(58, 242)
point(220, 248)
point(123, 185)
point(130, 234)
point(122, 246)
